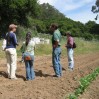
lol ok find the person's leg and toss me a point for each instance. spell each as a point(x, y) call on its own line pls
point(27, 65)
point(8, 63)
point(53, 59)
point(32, 73)
point(22, 57)
point(13, 56)
point(15, 62)
point(56, 62)
point(60, 67)
point(70, 58)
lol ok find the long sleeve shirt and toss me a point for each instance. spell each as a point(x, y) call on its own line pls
point(70, 42)
point(11, 40)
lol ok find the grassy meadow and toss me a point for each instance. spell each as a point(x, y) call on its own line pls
point(83, 47)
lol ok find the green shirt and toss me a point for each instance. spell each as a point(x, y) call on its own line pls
point(56, 37)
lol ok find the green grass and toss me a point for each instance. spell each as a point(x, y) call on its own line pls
point(83, 47)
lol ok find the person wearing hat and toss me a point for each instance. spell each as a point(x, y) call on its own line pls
point(56, 38)
point(10, 50)
point(69, 46)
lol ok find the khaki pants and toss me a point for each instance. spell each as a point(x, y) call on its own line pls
point(11, 57)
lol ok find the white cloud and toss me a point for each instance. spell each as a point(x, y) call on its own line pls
point(67, 5)
point(70, 7)
point(83, 17)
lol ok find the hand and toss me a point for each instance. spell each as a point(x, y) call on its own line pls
point(17, 44)
point(65, 45)
point(54, 46)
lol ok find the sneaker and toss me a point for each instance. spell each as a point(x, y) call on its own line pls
point(70, 69)
point(15, 78)
point(21, 61)
point(56, 76)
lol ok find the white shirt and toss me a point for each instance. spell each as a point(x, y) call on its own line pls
point(30, 47)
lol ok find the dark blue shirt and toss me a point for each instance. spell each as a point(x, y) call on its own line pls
point(11, 40)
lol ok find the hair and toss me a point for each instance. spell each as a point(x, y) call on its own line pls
point(54, 26)
point(12, 26)
point(10, 29)
point(8, 38)
point(28, 38)
point(68, 33)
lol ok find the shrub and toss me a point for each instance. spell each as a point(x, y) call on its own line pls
point(21, 32)
point(96, 37)
point(88, 36)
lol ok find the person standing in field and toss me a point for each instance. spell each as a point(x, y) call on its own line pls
point(56, 38)
point(10, 51)
point(28, 55)
point(69, 45)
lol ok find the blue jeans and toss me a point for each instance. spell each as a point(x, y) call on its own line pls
point(30, 75)
point(56, 61)
point(70, 58)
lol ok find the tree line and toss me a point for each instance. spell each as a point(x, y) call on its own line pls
point(30, 15)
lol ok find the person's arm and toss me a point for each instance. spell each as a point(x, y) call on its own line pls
point(70, 43)
point(34, 46)
point(15, 40)
point(55, 44)
point(56, 40)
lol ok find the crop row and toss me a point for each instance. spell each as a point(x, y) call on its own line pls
point(84, 83)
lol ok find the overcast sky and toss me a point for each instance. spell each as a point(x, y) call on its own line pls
point(78, 10)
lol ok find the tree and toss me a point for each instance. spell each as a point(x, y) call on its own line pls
point(95, 8)
point(49, 12)
point(16, 11)
point(89, 25)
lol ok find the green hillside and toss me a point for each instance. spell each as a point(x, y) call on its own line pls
point(29, 15)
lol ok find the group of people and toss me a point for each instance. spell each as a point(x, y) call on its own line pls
point(28, 48)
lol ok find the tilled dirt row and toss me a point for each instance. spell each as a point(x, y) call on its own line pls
point(45, 86)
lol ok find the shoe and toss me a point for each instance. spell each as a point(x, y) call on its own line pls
point(9, 76)
point(70, 69)
point(56, 76)
point(21, 61)
point(15, 78)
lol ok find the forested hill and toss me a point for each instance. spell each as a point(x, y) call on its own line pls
point(49, 12)
point(30, 15)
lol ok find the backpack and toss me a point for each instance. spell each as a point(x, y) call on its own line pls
point(74, 45)
point(4, 45)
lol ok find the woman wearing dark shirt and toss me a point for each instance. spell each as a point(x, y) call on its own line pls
point(10, 51)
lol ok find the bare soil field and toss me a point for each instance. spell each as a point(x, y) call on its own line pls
point(45, 86)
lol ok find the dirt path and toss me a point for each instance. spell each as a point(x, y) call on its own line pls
point(45, 86)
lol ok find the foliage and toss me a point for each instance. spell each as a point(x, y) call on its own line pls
point(49, 12)
point(88, 36)
point(16, 11)
point(21, 32)
point(84, 83)
point(95, 8)
point(29, 15)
